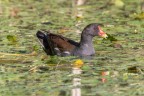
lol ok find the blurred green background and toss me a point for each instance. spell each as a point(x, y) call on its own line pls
point(25, 70)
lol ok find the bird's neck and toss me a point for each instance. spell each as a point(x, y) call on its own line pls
point(86, 41)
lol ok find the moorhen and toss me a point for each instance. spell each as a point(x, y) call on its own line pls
point(58, 45)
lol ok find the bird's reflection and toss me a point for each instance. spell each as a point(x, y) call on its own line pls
point(76, 91)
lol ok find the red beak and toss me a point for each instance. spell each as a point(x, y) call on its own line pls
point(101, 33)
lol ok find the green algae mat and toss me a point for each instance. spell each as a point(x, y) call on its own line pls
point(117, 69)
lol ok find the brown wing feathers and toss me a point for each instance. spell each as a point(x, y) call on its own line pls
point(50, 42)
point(61, 43)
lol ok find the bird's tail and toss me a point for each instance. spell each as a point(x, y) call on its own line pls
point(46, 42)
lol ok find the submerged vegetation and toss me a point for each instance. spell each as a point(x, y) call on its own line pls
point(117, 69)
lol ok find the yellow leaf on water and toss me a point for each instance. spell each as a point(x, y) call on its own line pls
point(63, 30)
point(11, 38)
point(78, 63)
point(118, 3)
point(139, 16)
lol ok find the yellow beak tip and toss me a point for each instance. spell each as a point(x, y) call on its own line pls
point(105, 36)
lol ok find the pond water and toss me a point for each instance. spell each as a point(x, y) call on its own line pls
point(117, 69)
